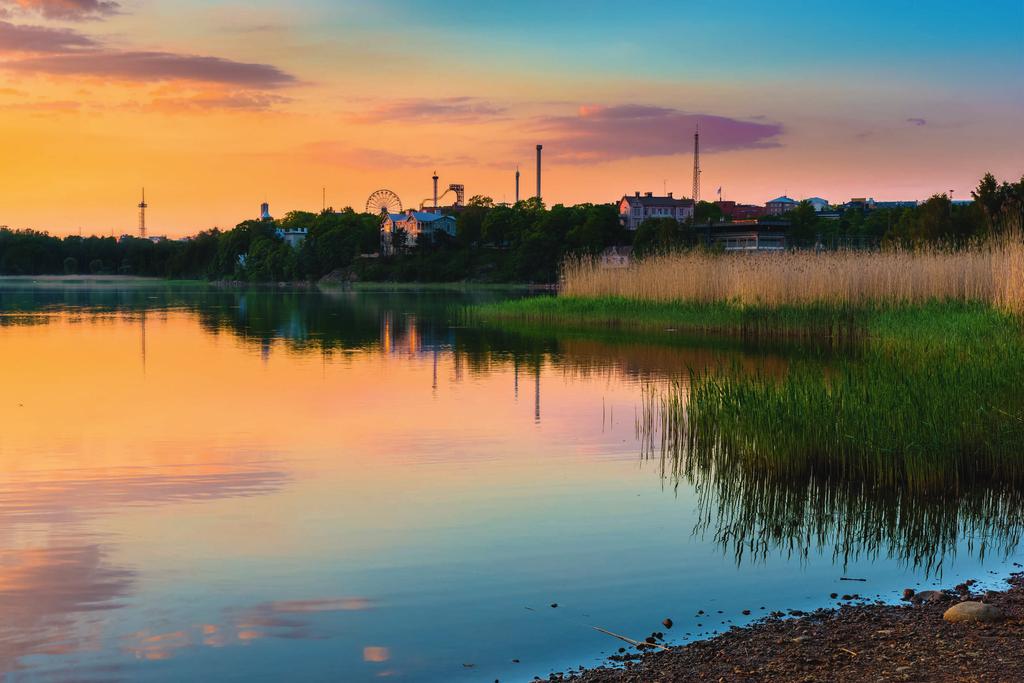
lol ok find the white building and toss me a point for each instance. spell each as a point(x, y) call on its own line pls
point(636, 209)
point(416, 225)
point(293, 237)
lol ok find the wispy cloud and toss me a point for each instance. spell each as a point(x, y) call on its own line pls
point(17, 38)
point(444, 109)
point(917, 121)
point(237, 100)
point(67, 10)
point(599, 133)
point(155, 66)
point(60, 52)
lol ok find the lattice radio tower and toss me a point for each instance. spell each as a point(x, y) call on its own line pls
point(142, 215)
point(696, 165)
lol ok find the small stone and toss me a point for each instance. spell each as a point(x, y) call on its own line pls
point(801, 639)
point(554, 605)
point(833, 595)
point(667, 623)
point(908, 593)
point(972, 612)
point(746, 612)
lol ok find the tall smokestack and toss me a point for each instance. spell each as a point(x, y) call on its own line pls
point(517, 184)
point(539, 148)
point(435, 191)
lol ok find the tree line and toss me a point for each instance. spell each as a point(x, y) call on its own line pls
point(525, 242)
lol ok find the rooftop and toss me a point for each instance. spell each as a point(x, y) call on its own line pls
point(648, 199)
point(421, 216)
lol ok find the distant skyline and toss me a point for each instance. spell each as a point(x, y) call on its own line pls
point(215, 106)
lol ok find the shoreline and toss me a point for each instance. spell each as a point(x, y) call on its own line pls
point(358, 286)
point(872, 642)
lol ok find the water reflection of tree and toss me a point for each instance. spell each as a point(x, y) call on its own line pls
point(752, 511)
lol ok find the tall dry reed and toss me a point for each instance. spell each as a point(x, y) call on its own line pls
point(991, 272)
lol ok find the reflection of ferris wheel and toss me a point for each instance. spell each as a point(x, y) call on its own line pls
point(383, 202)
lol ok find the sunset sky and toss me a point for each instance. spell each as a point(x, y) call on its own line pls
point(215, 105)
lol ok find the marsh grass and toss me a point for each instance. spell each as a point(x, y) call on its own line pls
point(934, 402)
point(912, 443)
point(833, 325)
point(990, 272)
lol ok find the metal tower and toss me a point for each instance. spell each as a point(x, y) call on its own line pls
point(696, 165)
point(517, 184)
point(539, 150)
point(142, 215)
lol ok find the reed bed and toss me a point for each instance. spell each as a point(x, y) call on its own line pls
point(990, 272)
point(933, 403)
point(911, 444)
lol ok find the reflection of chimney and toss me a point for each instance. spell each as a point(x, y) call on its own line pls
point(536, 398)
point(515, 380)
point(434, 386)
point(435, 191)
point(539, 148)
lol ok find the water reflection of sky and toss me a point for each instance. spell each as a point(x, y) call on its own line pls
point(347, 488)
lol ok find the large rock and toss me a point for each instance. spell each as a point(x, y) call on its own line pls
point(930, 597)
point(971, 612)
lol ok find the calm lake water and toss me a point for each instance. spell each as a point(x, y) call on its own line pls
point(350, 486)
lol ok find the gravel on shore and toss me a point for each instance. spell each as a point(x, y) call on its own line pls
point(911, 642)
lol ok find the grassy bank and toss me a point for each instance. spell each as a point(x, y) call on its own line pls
point(932, 404)
point(835, 322)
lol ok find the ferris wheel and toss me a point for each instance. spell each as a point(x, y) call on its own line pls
point(383, 202)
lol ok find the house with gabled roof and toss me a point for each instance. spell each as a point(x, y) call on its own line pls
point(415, 226)
point(636, 209)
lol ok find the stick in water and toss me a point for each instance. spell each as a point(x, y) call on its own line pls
point(628, 640)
